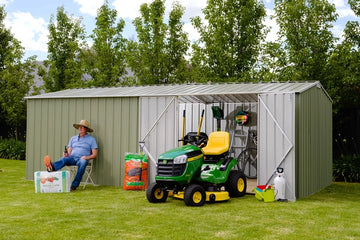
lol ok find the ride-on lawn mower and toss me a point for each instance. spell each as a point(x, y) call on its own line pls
point(200, 170)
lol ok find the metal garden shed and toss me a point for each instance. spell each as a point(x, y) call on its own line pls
point(293, 121)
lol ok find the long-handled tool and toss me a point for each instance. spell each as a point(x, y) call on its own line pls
point(183, 129)
point(200, 123)
point(141, 145)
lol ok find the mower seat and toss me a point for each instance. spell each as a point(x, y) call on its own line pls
point(218, 143)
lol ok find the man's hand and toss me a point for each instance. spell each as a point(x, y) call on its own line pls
point(92, 156)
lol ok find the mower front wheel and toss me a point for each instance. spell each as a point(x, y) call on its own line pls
point(195, 195)
point(156, 194)
point(236, 184)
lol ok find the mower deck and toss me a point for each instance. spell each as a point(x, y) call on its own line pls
point(210, 196)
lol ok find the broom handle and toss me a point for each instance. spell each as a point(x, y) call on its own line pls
point(141, 143)
point(200, 123)
point(183, 128)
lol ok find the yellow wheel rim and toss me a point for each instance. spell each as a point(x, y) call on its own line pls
point(197, 197)
point(240, 184)
point(159, 194)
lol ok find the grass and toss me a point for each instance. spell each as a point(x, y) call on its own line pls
point(105, 212)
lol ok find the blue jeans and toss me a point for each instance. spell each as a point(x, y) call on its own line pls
point(72, 161)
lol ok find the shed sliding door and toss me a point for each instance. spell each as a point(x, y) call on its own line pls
point(276, 129)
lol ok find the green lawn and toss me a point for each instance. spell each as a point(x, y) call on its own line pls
point(104, 212)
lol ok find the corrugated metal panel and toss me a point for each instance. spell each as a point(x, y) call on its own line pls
point(314, 142)
point(163, 137)
point(276, 139)
point(115, 124)
point(206, 93)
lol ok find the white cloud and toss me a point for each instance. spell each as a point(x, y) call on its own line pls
point(31, 31)
point(5, 2)
point(193, 34)
point(342, 8)
point(89, 6)
point(345, 12)
point(338, 31)
point(129, 9)
point(272, 24)
point(338, 3)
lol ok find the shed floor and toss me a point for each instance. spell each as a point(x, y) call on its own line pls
point(251, 184)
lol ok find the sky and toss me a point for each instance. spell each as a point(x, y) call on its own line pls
point(28, 20)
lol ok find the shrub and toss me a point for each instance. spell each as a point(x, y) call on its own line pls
point(347, 168)
point(12, 149)
point(346, 164)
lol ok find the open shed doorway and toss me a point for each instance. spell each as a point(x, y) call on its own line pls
point(243, 136)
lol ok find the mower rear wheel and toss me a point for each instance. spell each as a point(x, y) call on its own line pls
point(236, 184)
point(195, 195)
point(156, 194)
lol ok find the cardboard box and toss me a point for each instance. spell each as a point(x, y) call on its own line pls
point(52, 182)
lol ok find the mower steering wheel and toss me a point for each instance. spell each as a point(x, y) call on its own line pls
point(201, 141)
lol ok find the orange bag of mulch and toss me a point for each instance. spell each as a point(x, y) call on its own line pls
point(136, 173)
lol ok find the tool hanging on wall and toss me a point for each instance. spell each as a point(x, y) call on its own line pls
point(242, 117)
point(218, 115)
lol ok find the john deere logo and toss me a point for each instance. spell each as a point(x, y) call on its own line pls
point(165, 162)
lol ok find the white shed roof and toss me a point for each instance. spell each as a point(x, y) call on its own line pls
point(205, 93)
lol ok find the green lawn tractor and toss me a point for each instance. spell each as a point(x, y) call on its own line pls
point(199, 171)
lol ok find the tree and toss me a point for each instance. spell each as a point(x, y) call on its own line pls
point(107, 64)
point(16, 82)
point(305, 37)
point(66, 39)
point(158, 56)
point(230, 39)
point(148, 53)
point(343, 81)
point(177, 46)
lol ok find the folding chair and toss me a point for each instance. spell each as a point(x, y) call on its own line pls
point(87, 173)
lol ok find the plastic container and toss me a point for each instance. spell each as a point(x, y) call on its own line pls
point(264, 193)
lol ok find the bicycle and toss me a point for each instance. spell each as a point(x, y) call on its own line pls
point(247, 159)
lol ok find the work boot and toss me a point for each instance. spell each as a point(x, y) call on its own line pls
point(72, 188)
point(48, 164)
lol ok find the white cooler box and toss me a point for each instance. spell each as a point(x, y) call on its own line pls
point(52, 182)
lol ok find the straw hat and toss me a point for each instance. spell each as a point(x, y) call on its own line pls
point(83, 123)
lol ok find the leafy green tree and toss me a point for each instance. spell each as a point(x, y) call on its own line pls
point(158, 56)
point(272, 63)
point(148, 54)
point(355, 6)
point(343, 81)
point(229, 41)
point(66, 39)
point(16, 82)
point(177, 46)
point(107, 64)
point(305, 37)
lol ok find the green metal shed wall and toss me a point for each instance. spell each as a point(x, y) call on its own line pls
point(115, 123)
point(313, 141)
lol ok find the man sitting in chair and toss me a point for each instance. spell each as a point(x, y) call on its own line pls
point(81, 148)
